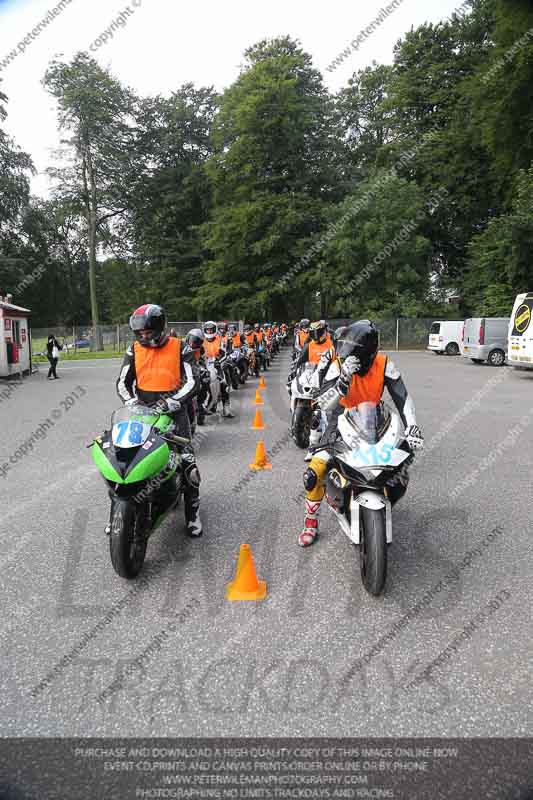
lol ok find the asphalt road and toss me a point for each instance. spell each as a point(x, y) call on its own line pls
point(288, 665)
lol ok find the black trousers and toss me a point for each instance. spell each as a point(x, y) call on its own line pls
point(53, 365)
point(191, 492)
point(202, 397)
point(182, 423)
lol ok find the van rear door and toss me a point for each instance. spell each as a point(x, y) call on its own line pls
point(434, 334)
point(521, 330)
point(471, 333)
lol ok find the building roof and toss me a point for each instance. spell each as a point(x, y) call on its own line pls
point(11, 307)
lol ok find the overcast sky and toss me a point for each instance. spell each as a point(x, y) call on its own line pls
point(165, 43)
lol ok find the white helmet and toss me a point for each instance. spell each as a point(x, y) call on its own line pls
point(210, 330)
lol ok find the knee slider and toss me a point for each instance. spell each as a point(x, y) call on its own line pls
point(192, 476)
point(310, 479)
point(316, 419)
point(187, 455)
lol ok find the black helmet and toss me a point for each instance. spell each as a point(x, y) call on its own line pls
point(318, 331)
point(195, 339)
point(304, 324)
point(223, 328)
point(210, 330)
point(149, 324)
point(257, 326)
point(359, 339)
point(247, 328)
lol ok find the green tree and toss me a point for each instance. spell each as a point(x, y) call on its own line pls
point(499, 265)
point(273, 174)
point(379, 261)
point(96, 111)
point(502, 91)
point(172, 195)
point(365, 122)
point(429, 102)
point(15, 168)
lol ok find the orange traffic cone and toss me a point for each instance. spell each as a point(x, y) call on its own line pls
point(258, 399)
point(258, 424)
point(261, 460)
point(262, 383)
point(246, 585)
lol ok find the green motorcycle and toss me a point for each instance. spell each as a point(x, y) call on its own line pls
point(139, 461)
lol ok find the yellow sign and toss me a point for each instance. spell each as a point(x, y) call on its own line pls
point(522, 319)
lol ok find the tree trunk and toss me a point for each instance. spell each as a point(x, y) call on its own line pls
point(92, 210)
point(92, 284)
point(323, 304)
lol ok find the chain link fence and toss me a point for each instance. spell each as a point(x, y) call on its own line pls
point(397, 334)
point(79, 339)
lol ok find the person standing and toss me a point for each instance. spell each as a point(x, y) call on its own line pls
point(52, 352)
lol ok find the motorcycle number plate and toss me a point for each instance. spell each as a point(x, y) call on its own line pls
point(375, 456)
point(131, 433)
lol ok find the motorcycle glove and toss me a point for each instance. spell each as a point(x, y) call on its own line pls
point(167, 406)
point(161, 407)
point(351, 367)
point(173, 405)
point(414, 437)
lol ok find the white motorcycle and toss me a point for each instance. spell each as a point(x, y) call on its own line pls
point(365, 479)
point(239, 358)
point(303, 390)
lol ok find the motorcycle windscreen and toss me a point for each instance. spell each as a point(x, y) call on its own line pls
point(370, 420)
point(131, 426)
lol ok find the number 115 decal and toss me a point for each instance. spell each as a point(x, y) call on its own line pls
point(376, 455)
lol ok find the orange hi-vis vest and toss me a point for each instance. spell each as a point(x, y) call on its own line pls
point(259, 335)
point(212, 348)
point(158, 369)
point(302, 337)
point(236, 340)
point(316, 350)
point(369, 387)
point(250, 339)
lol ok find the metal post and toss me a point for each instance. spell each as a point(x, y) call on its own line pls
point(397, 335)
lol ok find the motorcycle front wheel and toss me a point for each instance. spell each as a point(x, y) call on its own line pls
point(301, 425)
point(126, 550)
point(373, 550)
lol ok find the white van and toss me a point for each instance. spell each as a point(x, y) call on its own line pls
point(485, 339)
point(520, 346)
point(445, 337)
